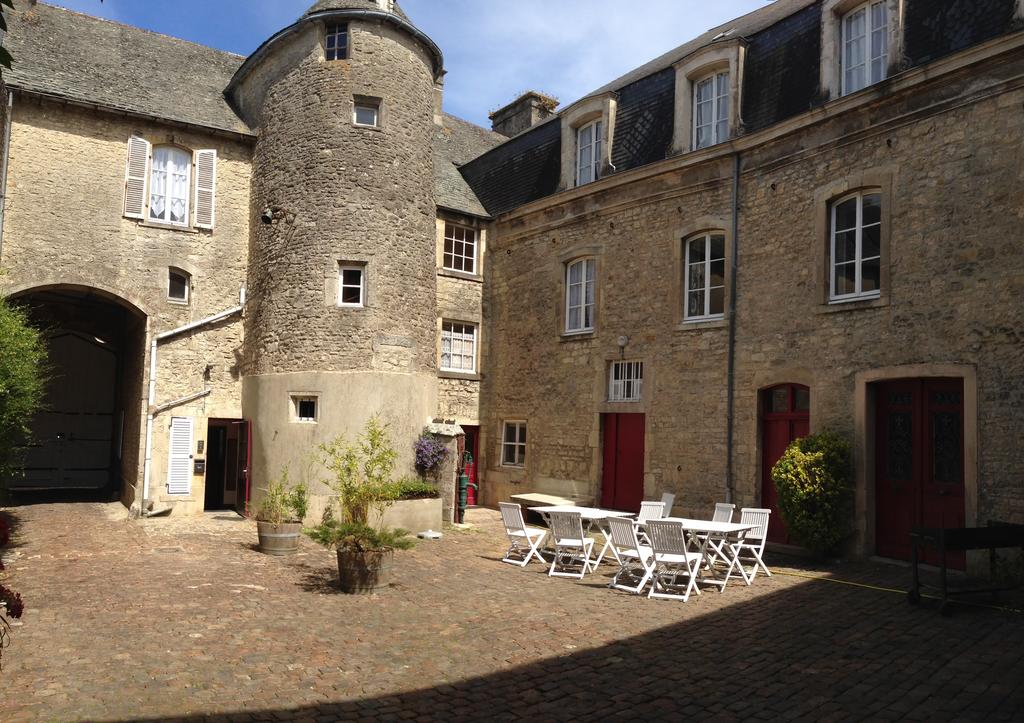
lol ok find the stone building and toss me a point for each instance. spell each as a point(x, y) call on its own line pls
point(805, 218)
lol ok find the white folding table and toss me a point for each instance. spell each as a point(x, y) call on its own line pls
point(723, 531)
point(591, 516)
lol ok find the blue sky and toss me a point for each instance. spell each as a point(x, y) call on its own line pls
point(493, 51)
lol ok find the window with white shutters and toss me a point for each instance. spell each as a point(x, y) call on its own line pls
point(179, 466)
point(206, 187)
point(135, 178)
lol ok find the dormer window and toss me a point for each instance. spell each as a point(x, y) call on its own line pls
point(588, 152)
point(711, 110)
point(336, 42)
point(865, 46)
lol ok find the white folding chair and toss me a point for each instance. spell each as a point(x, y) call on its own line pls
point(572, 548)
point(723, 513)
point(672, 561)
point(668, 499)
point(649, 511)
point(636, 560)
point(750, 546)
point(525, 540)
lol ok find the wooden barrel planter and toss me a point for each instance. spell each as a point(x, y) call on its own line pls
point(362, 573)
point(280, 539)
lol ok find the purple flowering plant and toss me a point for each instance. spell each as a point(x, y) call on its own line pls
point(431, 453)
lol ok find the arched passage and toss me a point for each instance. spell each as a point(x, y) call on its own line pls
point(87, 434)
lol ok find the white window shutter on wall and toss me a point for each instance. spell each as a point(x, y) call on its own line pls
point(179, 466)
point(135, 178)
point(206, 187)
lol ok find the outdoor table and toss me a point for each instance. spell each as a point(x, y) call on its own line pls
point(719, 531)
point(591, 517)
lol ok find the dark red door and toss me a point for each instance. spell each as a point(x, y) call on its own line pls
point(785, 416)
point(473, 447)
point(244, 467)
point(623, 476)
point(919, 462)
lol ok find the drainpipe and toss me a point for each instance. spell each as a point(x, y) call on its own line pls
point(3, 170)
point(730, 482)
point(153, 410)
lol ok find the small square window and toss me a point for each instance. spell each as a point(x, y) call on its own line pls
point(305, 408)
point(366, 112)
point(177, 286)
point(336, 42)
point(352, 286)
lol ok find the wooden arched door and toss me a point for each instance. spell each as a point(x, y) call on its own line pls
point(785, 416)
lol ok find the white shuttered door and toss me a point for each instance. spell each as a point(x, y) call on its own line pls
point(206, 187)
point(135, 178)
point(179, 467)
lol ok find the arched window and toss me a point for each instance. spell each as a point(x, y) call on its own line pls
point(711, 110)
point(178, 286)
point(865, 51)
point(169, 185)
point(704, 273)
point(589, 140)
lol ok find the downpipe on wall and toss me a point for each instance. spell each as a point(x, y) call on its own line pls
point(730, 482)
point(3, 170)
point(153, 410)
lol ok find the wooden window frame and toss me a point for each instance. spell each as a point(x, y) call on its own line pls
point(187, 223)
point(589, 262)
point(869, 57)
point(706, 236)
point(516, 446)
point(716, 97)
point(449, 231)
point(596, 147)
point(859, 259)
point(188, 286)
point(448, 328)
point(342, 268)
point(331, 30)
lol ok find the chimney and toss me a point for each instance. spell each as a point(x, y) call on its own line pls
point(523, 113)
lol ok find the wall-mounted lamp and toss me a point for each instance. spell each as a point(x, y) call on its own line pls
point(276, 213)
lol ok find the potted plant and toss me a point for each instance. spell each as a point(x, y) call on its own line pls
point(361, 479)
point(280, 515)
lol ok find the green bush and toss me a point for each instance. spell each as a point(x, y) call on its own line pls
point(814, 479)
point(284, 502)
point(22, 382)
point(358, 537)
point(410, 488)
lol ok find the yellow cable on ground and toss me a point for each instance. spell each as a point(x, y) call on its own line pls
point(1001, 608)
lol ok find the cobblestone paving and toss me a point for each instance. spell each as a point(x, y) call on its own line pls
point(168, 619)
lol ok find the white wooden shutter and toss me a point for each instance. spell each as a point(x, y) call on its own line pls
point(135, 178)
point(179, 466)
point(206, 187)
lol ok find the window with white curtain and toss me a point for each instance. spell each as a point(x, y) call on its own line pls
point(588, 152)
point(458, 347)
point(865, 51)
point(580, 293)
point(711, 110)
point(169, 185)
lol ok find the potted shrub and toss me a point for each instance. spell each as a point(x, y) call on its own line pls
point(814, 479)
point(361, 479)
point(280, 515)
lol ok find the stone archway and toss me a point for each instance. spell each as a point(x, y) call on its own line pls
point(87, 435)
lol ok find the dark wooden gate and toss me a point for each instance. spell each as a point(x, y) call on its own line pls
point(919, 462)
point(623, 475)
point(785, 416)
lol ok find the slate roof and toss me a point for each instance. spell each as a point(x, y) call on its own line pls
point(78, 57)
point(455, 143)
point(322, 5)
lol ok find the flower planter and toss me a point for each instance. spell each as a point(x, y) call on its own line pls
point(280, 539)
point(361, 573)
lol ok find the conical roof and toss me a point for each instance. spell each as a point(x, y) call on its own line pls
point(324, 5)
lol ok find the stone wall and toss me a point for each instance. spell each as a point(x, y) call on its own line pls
point(951, 150)
point(64, 226)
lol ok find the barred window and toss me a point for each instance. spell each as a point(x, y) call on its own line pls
point(626, 381)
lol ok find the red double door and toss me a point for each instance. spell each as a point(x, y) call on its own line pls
point(785, 417)
point(919, 462)
point(622, 486)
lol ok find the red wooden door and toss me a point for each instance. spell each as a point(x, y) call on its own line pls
point(785, 416)
point(919, 462)
point(244, 467)
point(623, 475)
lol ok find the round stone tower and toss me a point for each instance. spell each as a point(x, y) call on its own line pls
point(340, 318)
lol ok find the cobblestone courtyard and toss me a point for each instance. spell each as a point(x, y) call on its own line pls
point(462, 636)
